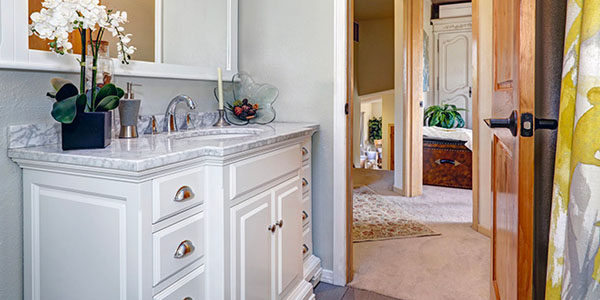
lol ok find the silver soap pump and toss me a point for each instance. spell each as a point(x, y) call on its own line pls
point(129, 110)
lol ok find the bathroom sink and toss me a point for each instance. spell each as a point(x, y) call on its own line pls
point(216, 133)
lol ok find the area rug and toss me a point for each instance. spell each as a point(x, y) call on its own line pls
point(376, 218)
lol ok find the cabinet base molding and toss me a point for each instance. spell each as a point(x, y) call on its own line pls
point(304, 291)
point(312, 270)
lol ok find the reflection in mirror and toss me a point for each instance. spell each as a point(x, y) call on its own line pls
point(141, 17)
point(195, 33)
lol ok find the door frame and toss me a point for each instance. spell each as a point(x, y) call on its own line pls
point(412, 154)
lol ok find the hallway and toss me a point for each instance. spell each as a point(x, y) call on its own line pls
point(452, 265)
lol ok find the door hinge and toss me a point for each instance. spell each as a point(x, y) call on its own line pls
point(346, 109)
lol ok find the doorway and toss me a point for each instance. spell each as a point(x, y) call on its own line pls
point(440, 55)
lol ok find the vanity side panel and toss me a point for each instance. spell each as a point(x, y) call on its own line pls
point(82, 238)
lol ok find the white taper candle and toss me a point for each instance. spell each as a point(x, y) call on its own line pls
point(221, 100)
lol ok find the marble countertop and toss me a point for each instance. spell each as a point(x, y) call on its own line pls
point(152, 151)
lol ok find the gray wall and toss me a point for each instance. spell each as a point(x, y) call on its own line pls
point(290, 44)
point(22, 101)
point(549, 49)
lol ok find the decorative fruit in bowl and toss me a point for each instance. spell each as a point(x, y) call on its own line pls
point(244, 109)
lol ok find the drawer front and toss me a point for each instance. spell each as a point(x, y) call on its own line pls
point(307, 243)
point(306, 210)
point(254, 172)
point(175, 193)
point(306, 179)
point(306, 150)
point(190, 287)
point(177, 246)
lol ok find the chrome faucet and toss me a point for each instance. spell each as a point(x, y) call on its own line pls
point(171, 114)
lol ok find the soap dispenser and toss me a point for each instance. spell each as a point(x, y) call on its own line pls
point(129, 110)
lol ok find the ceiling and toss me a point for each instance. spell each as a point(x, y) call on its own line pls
point(373, 9)
point(380, 9)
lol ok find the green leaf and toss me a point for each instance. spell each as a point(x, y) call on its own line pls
point(66, 110)
point(108, 103)
point(120, 92)
point(66, 91)
point(107, 90)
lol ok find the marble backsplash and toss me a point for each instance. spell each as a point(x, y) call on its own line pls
point(32, 135)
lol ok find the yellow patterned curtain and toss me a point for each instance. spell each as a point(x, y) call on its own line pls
point(574, 257)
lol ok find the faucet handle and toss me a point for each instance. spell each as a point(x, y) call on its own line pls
point(152, 127)
point(188, 125)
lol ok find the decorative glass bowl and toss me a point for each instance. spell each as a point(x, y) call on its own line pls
point(247, 102)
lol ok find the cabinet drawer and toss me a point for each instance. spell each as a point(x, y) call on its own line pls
point(307, 243)
point(174, 193)
point(306, 179)
point(306, 210)
point(190, 287)
point(252, 173)
point(306, 150)
point(177, 246)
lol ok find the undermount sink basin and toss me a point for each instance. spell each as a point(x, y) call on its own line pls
point(216, 133)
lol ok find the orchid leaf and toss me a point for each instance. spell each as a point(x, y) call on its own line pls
point(65, 111)
point(108, 103)
point(66, 91)
point(58, 83)
point(107, 90)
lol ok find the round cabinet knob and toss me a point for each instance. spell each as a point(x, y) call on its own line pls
point(304, 249)
point(279, 223)
point(185, 248)
point(184, 193)
point(188, 298)
point(304, 151)
point(272, 228)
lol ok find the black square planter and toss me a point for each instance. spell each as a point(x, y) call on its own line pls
point(89, 130)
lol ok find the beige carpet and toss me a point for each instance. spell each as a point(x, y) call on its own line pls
point(452, 266)
point(378, 218)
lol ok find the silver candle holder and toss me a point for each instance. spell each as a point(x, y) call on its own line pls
point(221, 122)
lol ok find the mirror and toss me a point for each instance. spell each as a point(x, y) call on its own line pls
point(198, 35)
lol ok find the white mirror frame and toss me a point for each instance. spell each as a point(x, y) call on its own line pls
point(15, 52)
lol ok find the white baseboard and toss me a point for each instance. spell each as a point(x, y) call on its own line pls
point(327, 276)
point(398, 190)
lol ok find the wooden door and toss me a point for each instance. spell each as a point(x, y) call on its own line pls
point(252, 248)
point(289, 268)
point(454, 72)
point(512, 151)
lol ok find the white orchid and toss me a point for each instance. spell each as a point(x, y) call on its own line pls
point(58, 18)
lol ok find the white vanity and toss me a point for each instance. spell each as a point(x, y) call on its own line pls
point(205, 214)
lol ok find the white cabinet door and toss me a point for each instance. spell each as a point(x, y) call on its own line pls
point(288, 199)
point(252, 248)
point(453, 68)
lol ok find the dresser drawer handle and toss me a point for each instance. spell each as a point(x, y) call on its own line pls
point(186, 247)
point(304, 215)
point(304, 151)
point(448, 161)
point(184, 193)
point(304, 182)
point(304, 249)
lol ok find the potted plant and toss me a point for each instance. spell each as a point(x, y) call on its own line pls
point(85, 114)
point(445, 116)
point(374, 129)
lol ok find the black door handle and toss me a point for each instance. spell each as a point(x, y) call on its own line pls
point(546, 124)
point(509, 123)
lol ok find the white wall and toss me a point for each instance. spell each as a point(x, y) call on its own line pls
point(485, 111)
point(23, 101)
point(290, 44)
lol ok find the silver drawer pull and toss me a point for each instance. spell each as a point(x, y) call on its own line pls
point(186, 247)
point(304, 182)
point(304, 215)
point(304, 249)
point(184, 193)
point(304, 151)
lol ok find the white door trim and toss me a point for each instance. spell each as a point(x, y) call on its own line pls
point(339, 140)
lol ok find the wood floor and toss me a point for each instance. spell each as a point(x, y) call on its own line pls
point(325, 291)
